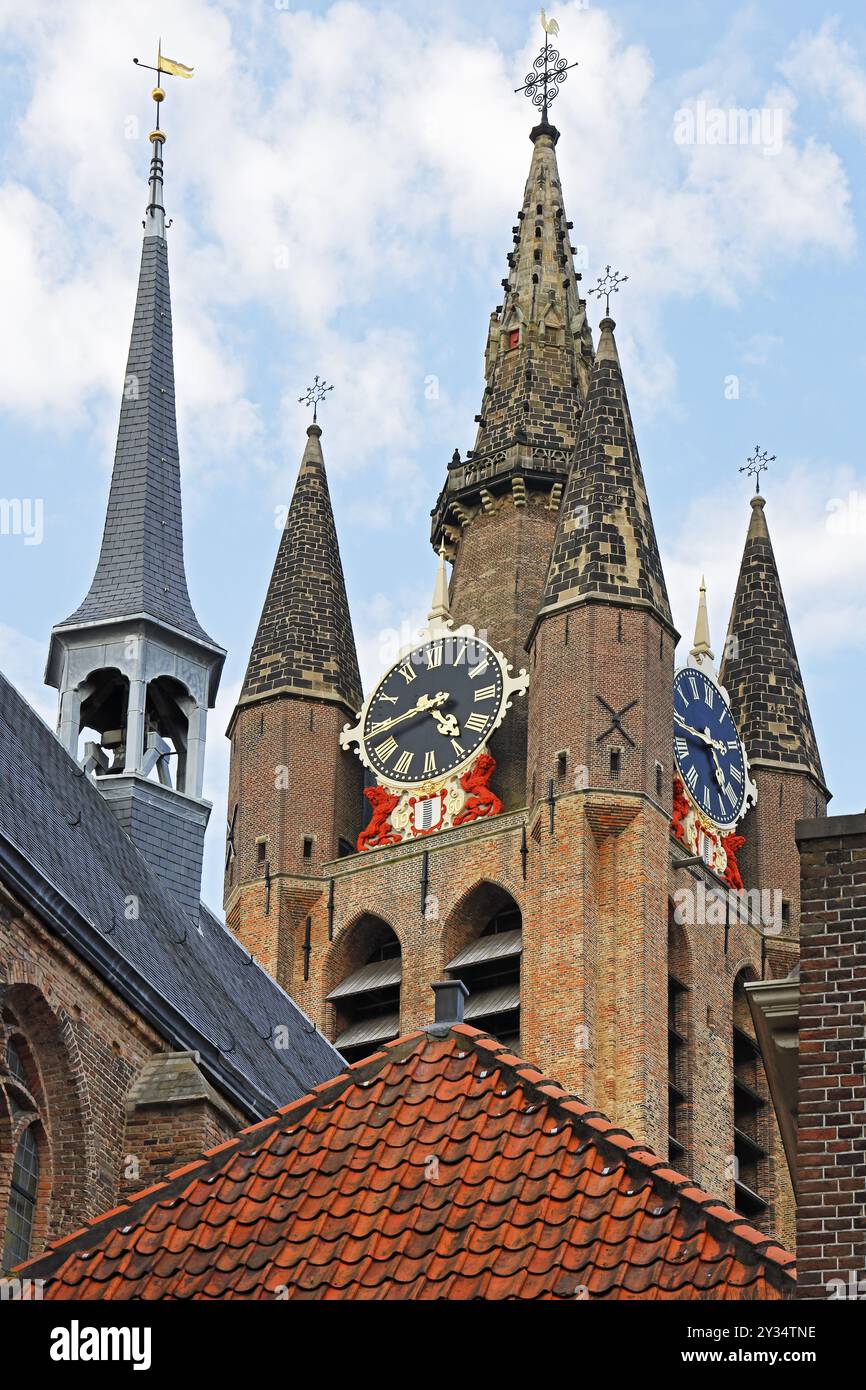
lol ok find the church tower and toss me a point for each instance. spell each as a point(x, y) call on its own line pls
point(599, 770)
point(768, 699)
point(497, 512)
point(135, 670)
point(294, 797)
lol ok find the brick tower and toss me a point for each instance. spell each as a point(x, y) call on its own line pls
point(768, 700)
point(294, 798)
point(497, 511)
point(599, 754)
point(133, 666)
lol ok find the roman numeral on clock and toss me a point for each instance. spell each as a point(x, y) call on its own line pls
point(709, 693)
point(461, 752)
point(682, 747)
point(404, 762)
point(434, 655)
point(486, 692)
point(693, 683)
point(407, 673)
point(705, 798)
point(429, 762)
point(736, 774)
point(692, 778)
point(476, 722)
point(482, 666)
point(731, 794)
point(385, 750)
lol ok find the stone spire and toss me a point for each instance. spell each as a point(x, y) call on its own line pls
point(536, 363)
point(141, 568)
point(605, 546)
point(760, 669)
point(304, 643)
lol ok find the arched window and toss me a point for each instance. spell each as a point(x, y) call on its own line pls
point(679, 1038)
point(489, 962)
point(23, 1192)
point(367, 998)
point(750, 1099)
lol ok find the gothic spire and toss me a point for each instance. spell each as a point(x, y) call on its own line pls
point(304, 643)
point(701, 645)
point(141, 571)
point(605, 547)
point(760, 669)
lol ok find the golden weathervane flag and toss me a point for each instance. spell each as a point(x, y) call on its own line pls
point(170, 66)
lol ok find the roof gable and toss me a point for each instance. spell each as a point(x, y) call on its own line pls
point(442, 1167)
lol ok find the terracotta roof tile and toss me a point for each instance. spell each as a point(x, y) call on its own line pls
point(443, 1167)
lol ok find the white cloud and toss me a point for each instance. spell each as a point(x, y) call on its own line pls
point(826, 65)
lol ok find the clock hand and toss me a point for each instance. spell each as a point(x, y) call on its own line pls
point(446, 723)
point(704, 735)
point(720, 776)
point(425, 704)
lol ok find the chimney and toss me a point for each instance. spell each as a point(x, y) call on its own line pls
point(450, 995)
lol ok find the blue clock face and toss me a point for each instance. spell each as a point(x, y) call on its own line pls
point(707, 748)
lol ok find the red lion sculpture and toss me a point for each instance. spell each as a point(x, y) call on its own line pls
point(730, 844)
point(481, 801)
point(681, 809)
point(380, 830)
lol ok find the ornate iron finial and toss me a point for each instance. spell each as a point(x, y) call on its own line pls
point(314, 395)
point(542, 85)
point(758, 464)
point(608, 284)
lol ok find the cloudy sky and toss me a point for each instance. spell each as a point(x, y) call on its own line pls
point(343, 180)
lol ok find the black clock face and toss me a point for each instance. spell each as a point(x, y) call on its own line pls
point(707, 748)
point(433, 710)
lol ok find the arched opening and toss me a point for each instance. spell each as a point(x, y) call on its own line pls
point(103, 722)
point(366, 999)
point(750, 1100)
point(679, 1045)
point(488, 928)
point(167, 711)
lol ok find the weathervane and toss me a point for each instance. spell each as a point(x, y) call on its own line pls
point(608, 284)
point(543, 85)
point(167, 65)
point(314, 395)
point(758, 464)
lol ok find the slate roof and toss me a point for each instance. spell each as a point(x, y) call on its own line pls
point(605, 546)
point(140, 567)
point(441, 1167)
point(763, 679)
point(64, 853)
point(304, 644)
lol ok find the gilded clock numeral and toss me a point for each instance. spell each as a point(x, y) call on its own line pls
point(736, 774)
point(461, 655)
point(434, 655)
point(460, 751)
point(429, 762)
point(404, 762)
point(693, 683)
point(384, 750)
point(682, 747)
point(476, 722)
point(407, 673)
point(486, 692)
point(733, 744)
point(692, 778)
point(731, 794)
point(705, 798)
point(391, 699)
point(476, 671)
point(709, 693)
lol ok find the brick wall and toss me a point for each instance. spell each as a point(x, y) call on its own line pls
point(831, 1161)
point(84, 1048)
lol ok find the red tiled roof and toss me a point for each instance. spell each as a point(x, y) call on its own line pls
point(442, 1167)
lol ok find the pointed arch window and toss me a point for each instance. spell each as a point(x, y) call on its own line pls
point(750, 1100)
point(489, 965)
point(679, 1037)
point(23, 1191)
point(367, 999)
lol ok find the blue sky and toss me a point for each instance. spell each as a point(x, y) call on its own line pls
point(343, 180)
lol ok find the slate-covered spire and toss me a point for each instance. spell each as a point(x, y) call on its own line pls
point(760, 668)
point(605, 547)
point(304, 643)
point(141, 569)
